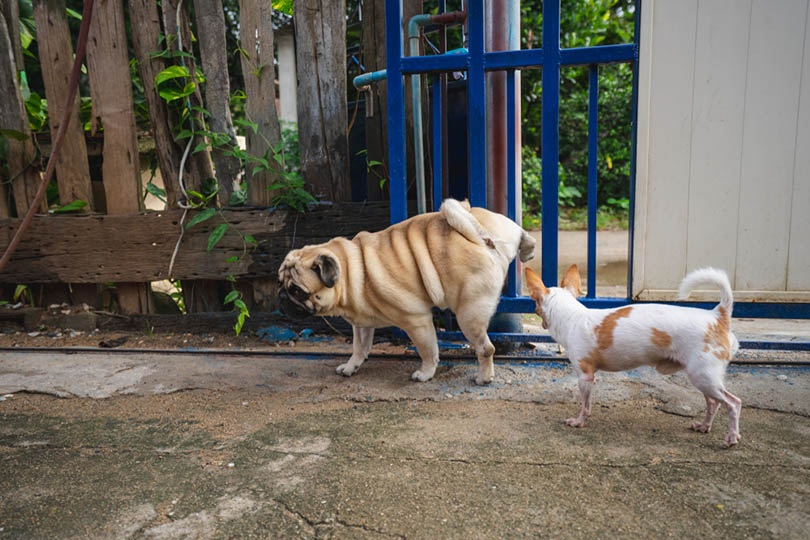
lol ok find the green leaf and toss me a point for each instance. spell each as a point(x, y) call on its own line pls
point(233, 295)
point(208, 213)
point(250, 240)
point(78, 204)
point(14, 134)
point(216, 235)
point(171, 72)
point(157, 191)
point(238, 197)
point(201, 146)
point(19, 291)
point(74, 14)
point(241, 305)
point(232, 259)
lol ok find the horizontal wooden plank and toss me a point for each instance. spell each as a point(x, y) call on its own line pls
point(138, 247)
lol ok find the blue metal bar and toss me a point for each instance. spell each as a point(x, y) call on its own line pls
point(513, 286)
point(435, 62)
point(593, 130)
point(604, 54)
point(545, 338)
point(398, 193)
point(499, 60)
point(633, 130)
point(437, 143)
point(550, 143)
point(753, 310)
point(476, 96)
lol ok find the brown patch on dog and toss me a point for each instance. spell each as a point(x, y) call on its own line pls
point(604, 340)
point(660, 338)
point(572, 281)
point(717, 335)
point(668, 366)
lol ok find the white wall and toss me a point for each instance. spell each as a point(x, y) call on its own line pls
point(723, 168)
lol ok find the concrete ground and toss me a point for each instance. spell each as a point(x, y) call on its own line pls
point(206, 445)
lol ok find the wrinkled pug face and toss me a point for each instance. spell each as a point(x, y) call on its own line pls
point(308, 277)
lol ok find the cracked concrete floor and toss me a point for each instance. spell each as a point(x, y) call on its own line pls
point(284, 448)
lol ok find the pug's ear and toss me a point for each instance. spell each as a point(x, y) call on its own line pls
point(327, 269)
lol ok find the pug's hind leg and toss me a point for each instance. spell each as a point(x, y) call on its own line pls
point(423, 336)
point(361, 347)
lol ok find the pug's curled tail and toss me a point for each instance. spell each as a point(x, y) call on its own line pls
point(458, 216)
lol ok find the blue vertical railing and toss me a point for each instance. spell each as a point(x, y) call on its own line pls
point(477, 61)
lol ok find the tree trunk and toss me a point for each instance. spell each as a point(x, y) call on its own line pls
point(56, 60)
point(320, 27)
point(213, 51)
point(256, 36)
point(111, 90)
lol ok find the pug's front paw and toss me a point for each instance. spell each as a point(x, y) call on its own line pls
point(422, 376)
point(347, 369)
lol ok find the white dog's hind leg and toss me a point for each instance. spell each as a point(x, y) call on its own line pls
point(424, 337)
point(711, 409)
point(361, 347)
point(585, 381)
point(710, 382)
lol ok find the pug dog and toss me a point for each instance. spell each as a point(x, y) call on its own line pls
point(455, 258)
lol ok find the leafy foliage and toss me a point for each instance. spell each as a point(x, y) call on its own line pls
point(583, 24)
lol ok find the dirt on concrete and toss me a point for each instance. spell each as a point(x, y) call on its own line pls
point(282, 447)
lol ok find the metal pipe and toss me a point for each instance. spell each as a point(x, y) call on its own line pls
point(362, 81)
point(414, 24)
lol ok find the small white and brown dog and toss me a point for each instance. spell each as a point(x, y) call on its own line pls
point(670, 338)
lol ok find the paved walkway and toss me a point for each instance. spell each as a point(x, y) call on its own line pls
point(212, 446)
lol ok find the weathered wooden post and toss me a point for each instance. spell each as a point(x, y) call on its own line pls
point(320, 29)
point(145, 40)
point(24, 175)
point(56, 61)
point(111, 91)
point(213, 52)
point(256, 37)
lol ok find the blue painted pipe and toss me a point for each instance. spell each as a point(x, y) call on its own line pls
point(371, 77)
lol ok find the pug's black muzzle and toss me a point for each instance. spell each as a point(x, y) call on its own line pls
point(290, 308)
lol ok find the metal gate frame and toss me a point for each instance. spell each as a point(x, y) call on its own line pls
point(476, 62)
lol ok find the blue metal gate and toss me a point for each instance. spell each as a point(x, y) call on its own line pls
point(476, 61)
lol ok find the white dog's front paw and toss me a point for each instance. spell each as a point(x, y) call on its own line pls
point(347, 369)
point(422, 376)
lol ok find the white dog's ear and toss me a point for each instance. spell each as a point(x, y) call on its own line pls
point(327, 269)
point(535, 284)
point(572, 281)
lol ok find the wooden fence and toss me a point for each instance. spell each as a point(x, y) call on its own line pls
point(132, 247)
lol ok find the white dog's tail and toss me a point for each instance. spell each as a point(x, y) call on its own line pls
point(705, 278)
point(459, 217)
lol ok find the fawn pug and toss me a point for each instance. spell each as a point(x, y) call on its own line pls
point(670, 338)
point(456, 258)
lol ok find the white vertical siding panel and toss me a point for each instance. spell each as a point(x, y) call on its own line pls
point(717, 128)
point(798, 275)
point(769, 142)
point(644, 74)
point(670, 119)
